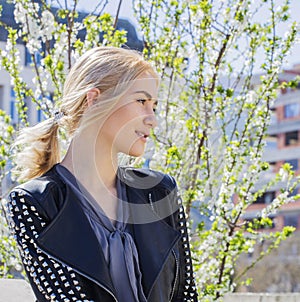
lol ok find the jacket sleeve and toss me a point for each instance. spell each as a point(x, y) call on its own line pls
point(49, 279)
point(187, 289)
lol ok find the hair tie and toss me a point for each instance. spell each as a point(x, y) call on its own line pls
point(58, 115)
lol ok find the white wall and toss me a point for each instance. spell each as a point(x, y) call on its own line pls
point(262, 297)
point(15, 290)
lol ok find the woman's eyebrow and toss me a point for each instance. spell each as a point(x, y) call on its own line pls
point(147, 94)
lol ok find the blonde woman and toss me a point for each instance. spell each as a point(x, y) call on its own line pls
point(87, 229)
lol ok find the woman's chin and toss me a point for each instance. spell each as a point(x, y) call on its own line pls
point(136, 152)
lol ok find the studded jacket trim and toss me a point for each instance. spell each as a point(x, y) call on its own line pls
point(61, 255)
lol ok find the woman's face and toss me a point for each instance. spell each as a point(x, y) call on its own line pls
point(128, 126)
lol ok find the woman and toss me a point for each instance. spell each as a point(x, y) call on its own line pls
point(87, 229)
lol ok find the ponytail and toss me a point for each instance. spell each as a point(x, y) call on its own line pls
point(37, 149)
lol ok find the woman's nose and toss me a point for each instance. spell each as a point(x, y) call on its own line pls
point(151, 120)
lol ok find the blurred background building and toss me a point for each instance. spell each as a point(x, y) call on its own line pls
point(283, 146)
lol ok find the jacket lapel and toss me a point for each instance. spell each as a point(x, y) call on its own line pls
point(154, 240)
point(70, 239)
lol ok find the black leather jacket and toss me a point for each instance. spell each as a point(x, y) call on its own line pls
point(62, 256)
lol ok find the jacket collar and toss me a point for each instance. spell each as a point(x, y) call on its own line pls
point(70, 239)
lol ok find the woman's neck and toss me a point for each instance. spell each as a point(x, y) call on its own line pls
point(97, 172)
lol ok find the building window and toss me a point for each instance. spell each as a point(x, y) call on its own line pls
point(294, 193)
point(273, 116)
point(291, 138)
point(291, 110)
point(293, 163)
point(40, 116)
point(266, 198)
point(291, 220)
point(272, 166)
point(28, 57)
point(13, 110)
point(40, 113)
point(271, 141)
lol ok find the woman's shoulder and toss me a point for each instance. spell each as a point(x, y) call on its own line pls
point(39, 189)
point(146, 178)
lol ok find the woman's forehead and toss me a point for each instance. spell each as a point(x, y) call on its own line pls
point(146, 84)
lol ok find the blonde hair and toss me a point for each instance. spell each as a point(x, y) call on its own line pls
point(109, 69)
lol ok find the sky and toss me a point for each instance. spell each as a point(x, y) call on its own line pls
point(126, 12)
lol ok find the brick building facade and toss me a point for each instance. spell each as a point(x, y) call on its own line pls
point(283, 146)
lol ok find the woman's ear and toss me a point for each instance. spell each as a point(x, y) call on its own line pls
point(92, 95)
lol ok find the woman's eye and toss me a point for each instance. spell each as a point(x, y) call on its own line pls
point(142, 101)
